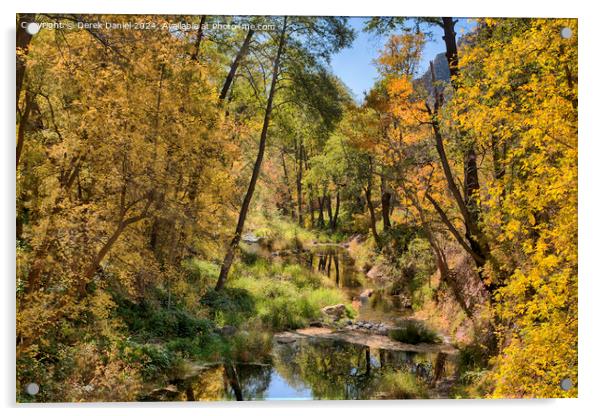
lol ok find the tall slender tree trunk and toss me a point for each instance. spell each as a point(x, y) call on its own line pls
point(472, 231)
point(199, 38)
point(229, 257)
point(239, 56)
point(329, 210)
point(321, 212)
point(385, 199)
point(23, 40)
point(311, 207)
point(446, 274)
point(289, 193)
point(368, 192)
point(451, 48)
point(336, 269)
point(232, 375)
point(336, 211)
point(299, 183)
point(471, 173)
point(23, 120)
point(108, 245)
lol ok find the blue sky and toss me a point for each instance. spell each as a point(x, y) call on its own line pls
point(355, 66)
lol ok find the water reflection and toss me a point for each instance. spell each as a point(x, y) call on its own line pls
point(336, 263)
point(314, 369)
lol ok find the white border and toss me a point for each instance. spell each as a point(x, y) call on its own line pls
point(590, 178)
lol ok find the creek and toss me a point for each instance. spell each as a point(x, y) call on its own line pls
point(322, 363)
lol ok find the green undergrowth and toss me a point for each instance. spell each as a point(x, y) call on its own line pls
point(278, 295)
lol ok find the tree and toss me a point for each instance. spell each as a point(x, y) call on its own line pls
point(104, 164)
point(517, 94)
point(307, 37)
point(227, 263)
point(468, 204)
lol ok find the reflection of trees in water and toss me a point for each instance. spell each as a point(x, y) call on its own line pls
point(336, 264)
point(240, 382)
point(284, 358)
point(429, 367)
point(336, 370)
point(208, 386)
point(254, 380)
point(333, 370)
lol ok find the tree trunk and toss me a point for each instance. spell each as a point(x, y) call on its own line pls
point(199, 37)
point(385, 198)
point(311, 207)
point(229, 257)
point(104, 250)
point(241, 54)
point(472, 230)
point(368, 192)
point(23, 120)
point(232, 376)
point(451, 48)
point(299, 184)
point(289, 193)
point(471, 227)
point(471, 173)
point(444, 271)
point(321, 202)
point(336, 268)
point(23, 40)
point(329, 210)
point(336, 211)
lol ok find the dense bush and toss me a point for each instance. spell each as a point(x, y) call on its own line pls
point(149, 319)
point(231, 305)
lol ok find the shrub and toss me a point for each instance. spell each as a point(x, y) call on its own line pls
point(234, 304)
point(155, 320)
point(200, 271)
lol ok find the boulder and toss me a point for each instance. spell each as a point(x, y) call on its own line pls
point(334, 312)
point(366, 294)
point(250, 238)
